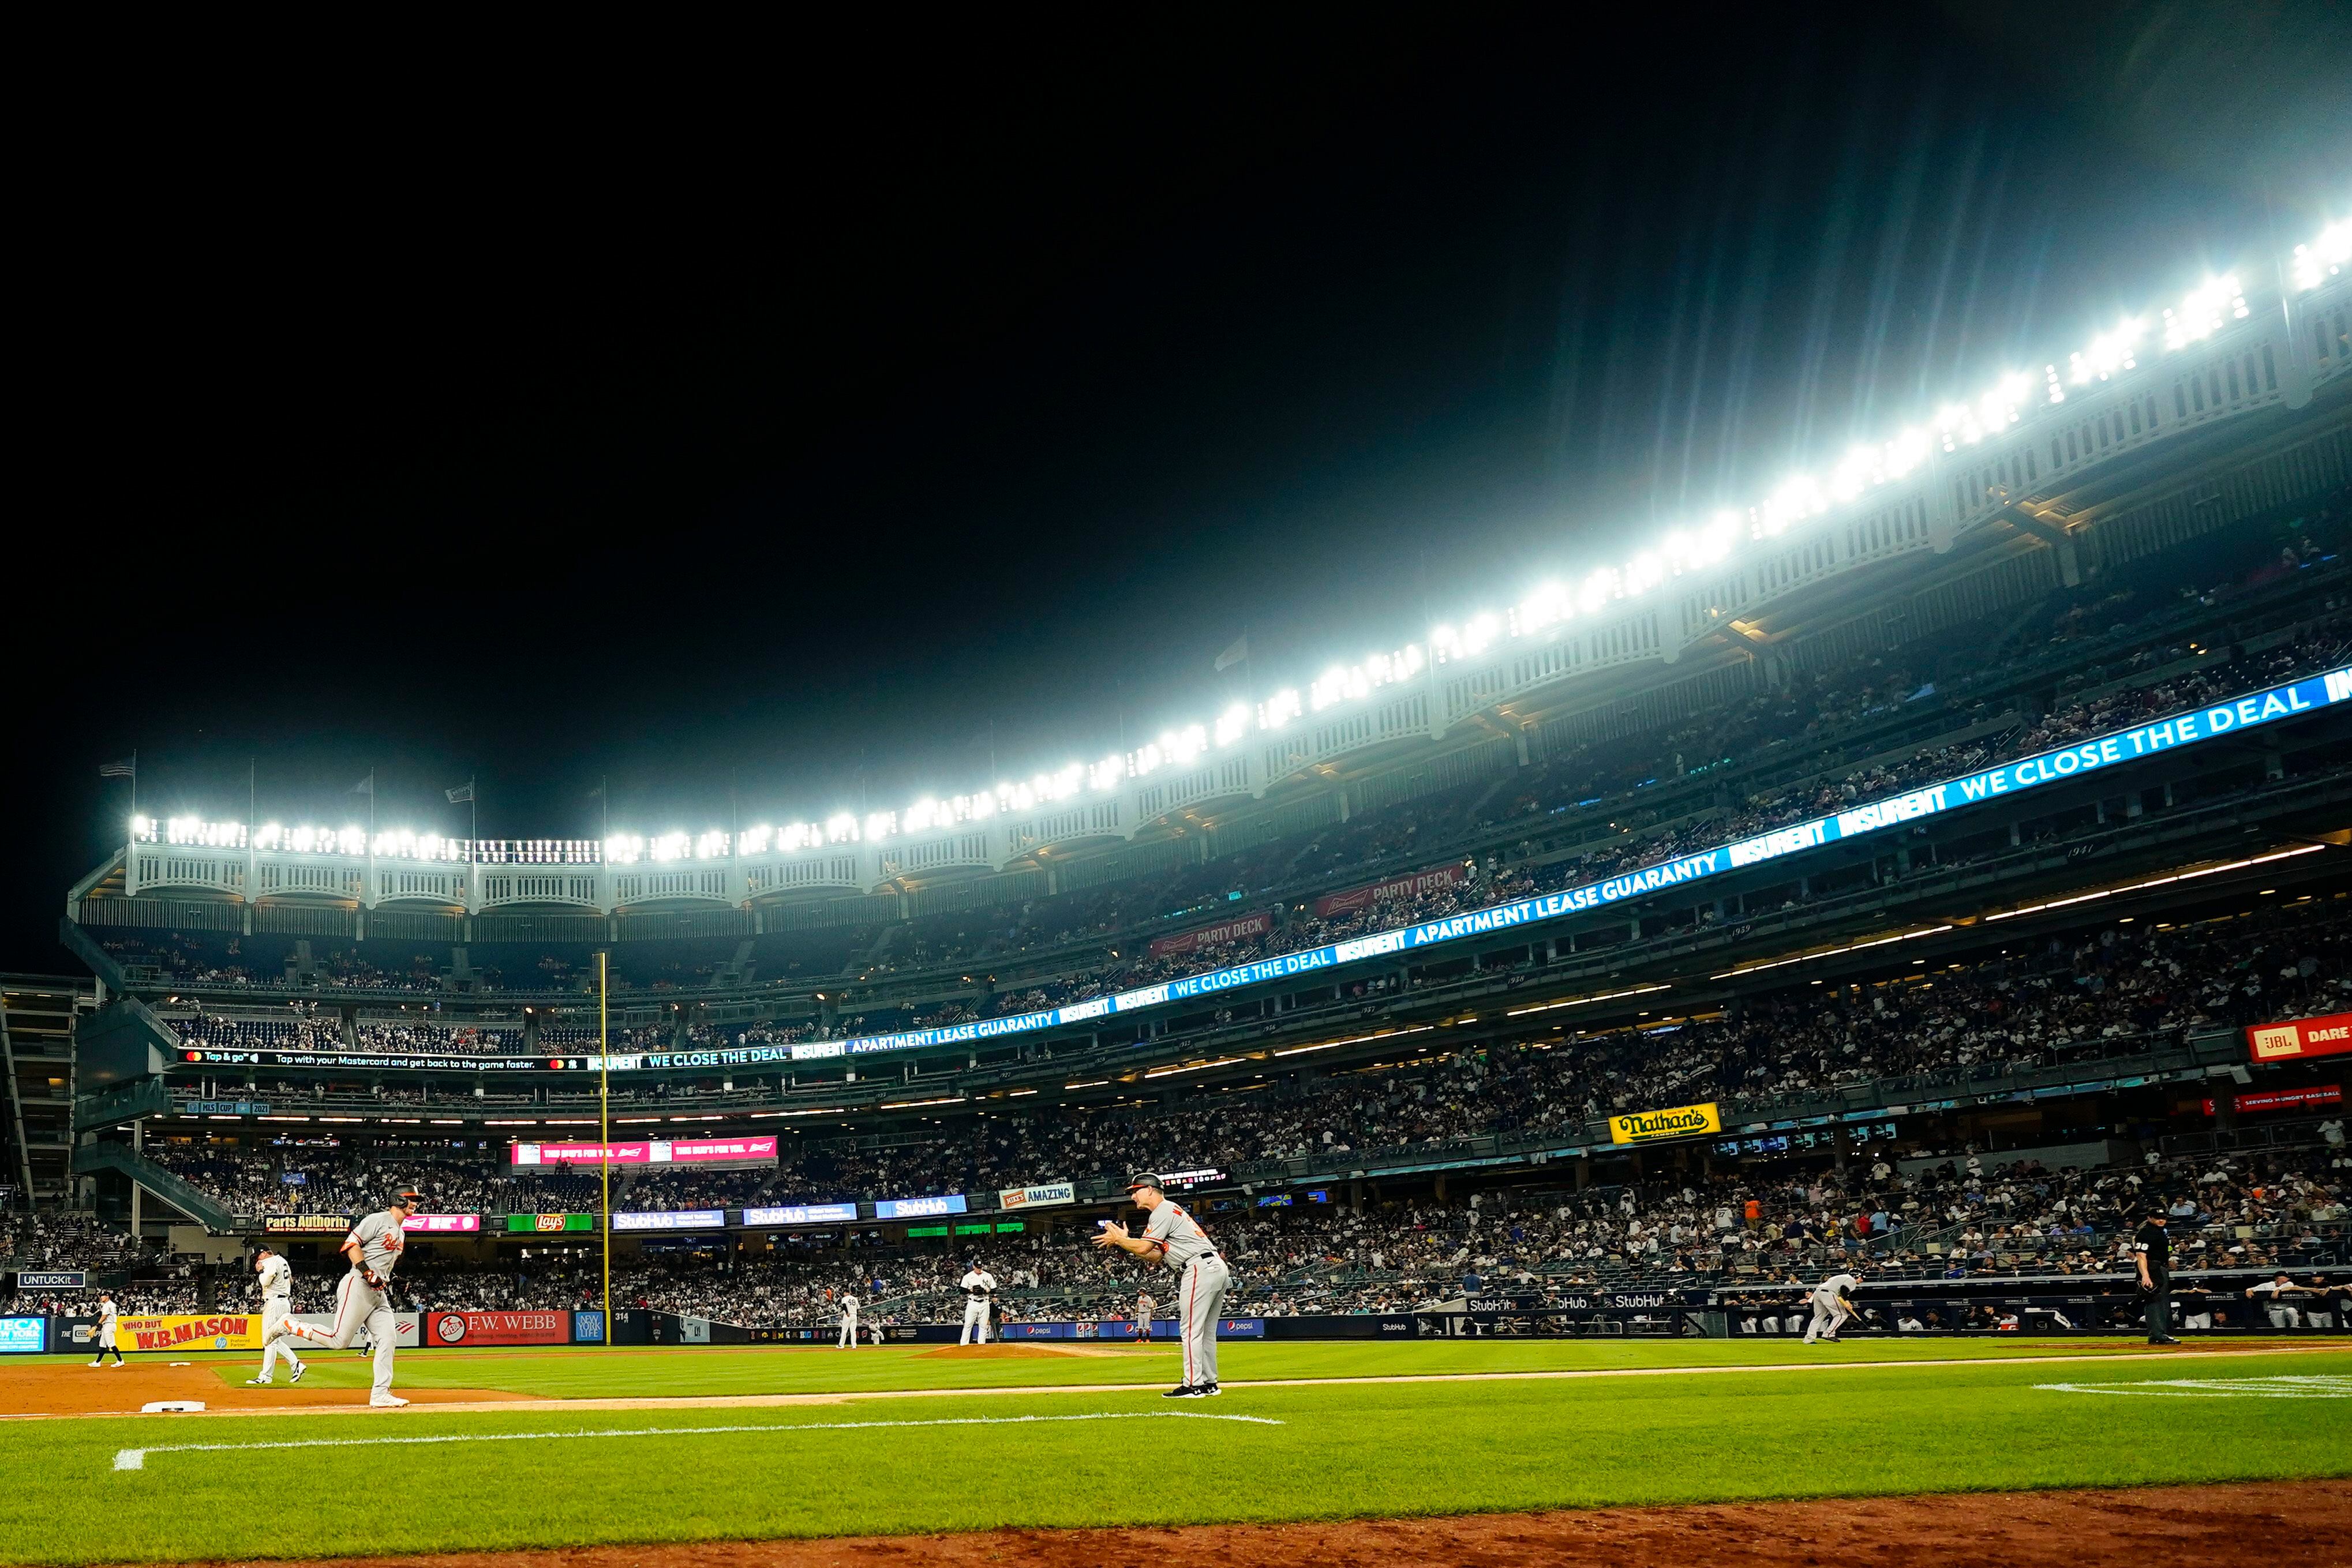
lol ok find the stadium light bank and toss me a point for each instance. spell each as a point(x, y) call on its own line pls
point(2199, 313)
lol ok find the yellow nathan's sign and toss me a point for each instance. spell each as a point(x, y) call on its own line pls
point(226, 1330)
point(1681, 1122)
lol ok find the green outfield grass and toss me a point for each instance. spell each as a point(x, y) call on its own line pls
point(1309, 1452)
point(591, 1371)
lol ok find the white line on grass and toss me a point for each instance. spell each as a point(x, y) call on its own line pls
point(2281, 1387)
point(136, 1458)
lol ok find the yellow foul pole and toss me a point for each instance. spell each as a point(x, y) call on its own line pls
point(604, 1135)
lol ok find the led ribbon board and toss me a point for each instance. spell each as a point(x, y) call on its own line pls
point(654, 1152)
point(802, 1214)
point(2190, 729)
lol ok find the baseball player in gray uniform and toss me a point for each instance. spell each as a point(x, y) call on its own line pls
point(1174, 1237)
point(277, 1282)
point(363, 1300)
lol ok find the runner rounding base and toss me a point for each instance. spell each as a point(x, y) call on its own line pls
point(363, 1300)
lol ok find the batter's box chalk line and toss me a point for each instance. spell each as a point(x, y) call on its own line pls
point(2307, 1386)
point(136, 1458)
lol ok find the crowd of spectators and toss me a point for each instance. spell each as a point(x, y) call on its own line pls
point(1886, 1213)
point(2114, 990)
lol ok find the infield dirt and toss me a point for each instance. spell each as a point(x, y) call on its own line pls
point(2257, 1525)
point(76, 1388)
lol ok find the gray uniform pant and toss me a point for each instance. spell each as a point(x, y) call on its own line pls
point(273, 1341)
point(1828, 1318)
point(1200, 1287)
point(359, 1305)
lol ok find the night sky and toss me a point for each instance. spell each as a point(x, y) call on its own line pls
point(776, 426)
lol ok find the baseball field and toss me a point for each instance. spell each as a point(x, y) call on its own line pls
point(532, 1449)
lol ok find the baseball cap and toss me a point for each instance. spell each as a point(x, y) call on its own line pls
point(1142, 1179)
point(408, 1198)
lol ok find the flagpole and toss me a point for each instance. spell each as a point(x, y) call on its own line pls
point(604, 1131)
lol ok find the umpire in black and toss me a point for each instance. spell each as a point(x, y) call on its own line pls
point(2153, 1250)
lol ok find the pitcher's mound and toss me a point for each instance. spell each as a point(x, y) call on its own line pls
point(992, 1352)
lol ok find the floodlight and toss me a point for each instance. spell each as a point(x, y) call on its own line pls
point(2324, 257)
point(2202, 309)
point(2108, 352)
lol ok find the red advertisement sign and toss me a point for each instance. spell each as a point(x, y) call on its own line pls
point(2329, 1035)
point(437, 1223)
point(659, 1152)
point(2285, 1099)
point(1256, 925)
point(1411, 887)
point(498, 1328)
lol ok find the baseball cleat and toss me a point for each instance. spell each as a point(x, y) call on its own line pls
point(298, 1370)
point(1211, 1390)
point(98, 1364)
point(1183, 1390)
point(256, 1383)
point(386, 1401)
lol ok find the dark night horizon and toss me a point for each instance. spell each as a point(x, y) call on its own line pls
point(769, 485)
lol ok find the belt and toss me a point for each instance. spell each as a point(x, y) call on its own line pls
point(1198, 1258)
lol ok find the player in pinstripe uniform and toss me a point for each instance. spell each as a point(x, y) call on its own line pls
point(1175, 1238)
point(276, 1280)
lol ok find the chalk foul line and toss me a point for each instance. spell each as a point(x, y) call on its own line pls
point(2285, 1387)
point(136, 1458)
